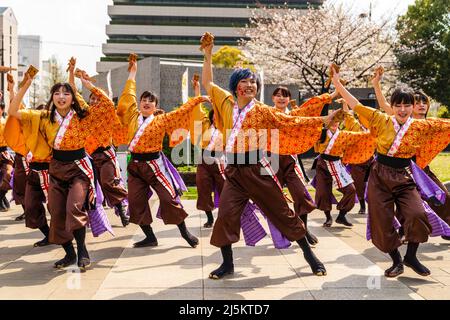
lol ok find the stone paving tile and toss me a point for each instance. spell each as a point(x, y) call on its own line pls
point(173, 270)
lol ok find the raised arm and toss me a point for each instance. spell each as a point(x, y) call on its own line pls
point(10, 87)
point(71, 70)
point(340, 88)
point(207, 72)
point(15, 103)
point(127, 105)
point(381, 99)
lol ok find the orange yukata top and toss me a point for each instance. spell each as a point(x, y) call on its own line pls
point(13, 135)
point(202, 130)
point(425, 138)
point(167, 123)
point(2, 130)
point(313, 107)
point(295, 134)
point(97, 121)
point(116, 136)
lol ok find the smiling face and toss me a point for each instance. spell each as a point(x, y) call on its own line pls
point(281, 97)
point(402, 102)
point(62, 98)
point(148, 104)
point(247, 88)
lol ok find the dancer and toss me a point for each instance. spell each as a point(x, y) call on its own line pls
point(6, 164)
point(290, 172)
point(420, 111)
point(104, 157)
point(210, 171)
point(65, 127)
point(390, 183)
point(147, 167)
point(241, 114)
point(21, 166)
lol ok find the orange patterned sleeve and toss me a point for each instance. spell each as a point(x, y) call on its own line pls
point(358, 147)
point(296, 135)
point(313, 107)
point(100, 119)
point(91, 144)
point(180, 119)
point(434, 137)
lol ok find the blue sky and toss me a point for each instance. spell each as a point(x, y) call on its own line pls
point(77, 27)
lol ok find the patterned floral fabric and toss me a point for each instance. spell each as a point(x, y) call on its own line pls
point(313, 107)
point(167, 123)
point(424, 138)
point(98, 122)
point(295, 134)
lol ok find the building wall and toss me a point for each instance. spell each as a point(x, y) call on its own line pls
point(8, 46)
point(172, 28)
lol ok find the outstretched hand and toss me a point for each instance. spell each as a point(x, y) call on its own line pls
point(377, 75)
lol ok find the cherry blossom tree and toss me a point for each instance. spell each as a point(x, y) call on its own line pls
point(294, 46)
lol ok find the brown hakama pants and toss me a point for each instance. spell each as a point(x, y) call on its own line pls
point(287, 176)
point(67, 194)
point(389, 187)
point(442, 211)
point(359, 173)
point(246, 182)
point(20, 180)
point(113, 191)
point(6, 171)
point(208, 176)
point(140, 178)
point(324, 190)
point(34, 202)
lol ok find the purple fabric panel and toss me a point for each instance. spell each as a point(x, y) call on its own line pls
point(251, 227)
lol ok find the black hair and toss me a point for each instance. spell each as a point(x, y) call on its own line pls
point(419, 95)
point(211, 116)
point(283, 90)
point(81, 113)
point(240, 74)
point(403, 95)
point(151, 95)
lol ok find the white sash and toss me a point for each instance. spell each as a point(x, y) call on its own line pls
point(44, 182)
point(142, 125)
point(339, 173)
point(332, 140)
point(85, 165)
point(401, 131)
point(25, 165)
point(298, 170)
point(63, 126)
point(212, 141)
point(112, 155)
point(267, 166)
point(163, 175)
point(238, 120)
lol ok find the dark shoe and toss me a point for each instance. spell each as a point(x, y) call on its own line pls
point(341, 219)
point(123, 216)
point(6, 203)
point(222, 271)
point(145, 243)
point(65, 262)
point(208, 224)
point(415, 264)
point(362, 211)
point(446, 238)
point(20, 218)
point(312, 239)
point(2, 207)
point(191, 239)
point(394, 271)
point(84, 263)
point(44, 242)
point(328, 223)
point(317, 267)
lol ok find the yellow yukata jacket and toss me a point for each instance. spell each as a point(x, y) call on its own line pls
point(98, 121)
point(296, 134)
point(13, 135)
point(425, 138)
point(152, 138)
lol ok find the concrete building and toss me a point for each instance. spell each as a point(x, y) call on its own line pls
point(8, 46)
point(172, 28)
point(30, 51)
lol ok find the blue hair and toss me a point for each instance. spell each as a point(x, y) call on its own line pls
point(240, 74)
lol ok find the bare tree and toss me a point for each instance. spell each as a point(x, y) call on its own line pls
point(294, 46)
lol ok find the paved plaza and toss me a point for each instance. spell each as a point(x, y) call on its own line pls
point(173, 270)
